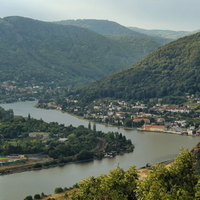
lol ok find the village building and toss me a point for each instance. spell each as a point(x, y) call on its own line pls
point(153, 127)
point(63, 139)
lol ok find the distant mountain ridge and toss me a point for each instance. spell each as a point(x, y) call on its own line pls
point(172, 70)
point(103, 27)
point(168, 34)
point(42, 52)
point(106, 27)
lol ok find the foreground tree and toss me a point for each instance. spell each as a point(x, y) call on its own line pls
point(176, 181)
point(117, 185)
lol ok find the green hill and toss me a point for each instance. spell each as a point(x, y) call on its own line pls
point(139, 45)
point(106, 27)
point(36, 52)
point(171, 70)
point(103, 27)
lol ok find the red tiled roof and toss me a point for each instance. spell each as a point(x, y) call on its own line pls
point(140, 119)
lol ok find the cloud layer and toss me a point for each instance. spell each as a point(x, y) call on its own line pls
point(149, 14)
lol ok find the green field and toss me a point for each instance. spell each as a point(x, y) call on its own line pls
point(1, 158)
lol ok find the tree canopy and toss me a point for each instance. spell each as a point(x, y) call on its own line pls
point(176, 181)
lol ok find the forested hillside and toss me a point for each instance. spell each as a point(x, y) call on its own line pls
point(139, 45)
point(33, 52)
point(103, 27)
point(106, 27)
point(172, 70)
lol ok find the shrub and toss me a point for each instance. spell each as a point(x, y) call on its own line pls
point(37, 165)
point(28, 198)
point(53, 162)
point(66, 194)
point(58, 190)
point(37, 196)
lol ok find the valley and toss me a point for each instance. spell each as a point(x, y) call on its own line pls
point(131, 88)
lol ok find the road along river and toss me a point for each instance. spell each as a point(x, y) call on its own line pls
point(150, 147)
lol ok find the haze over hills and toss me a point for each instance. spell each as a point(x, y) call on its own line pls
point(171, 70)
point(106, 27)
point(169, 34)
point(42, 52)
point(103, 27)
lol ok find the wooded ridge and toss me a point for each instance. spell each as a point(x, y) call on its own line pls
point(33, 52)
point(171, 70)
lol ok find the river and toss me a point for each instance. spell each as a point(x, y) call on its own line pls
point(150, 147)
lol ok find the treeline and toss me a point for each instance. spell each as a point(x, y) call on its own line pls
point(170, 71)
point(80, 142)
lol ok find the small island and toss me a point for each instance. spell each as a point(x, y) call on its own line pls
point(28, 143)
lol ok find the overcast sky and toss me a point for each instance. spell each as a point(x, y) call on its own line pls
point(147, 14)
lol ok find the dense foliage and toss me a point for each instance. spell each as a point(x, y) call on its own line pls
point(140, 45)
point(162, 183)
point(172, 70)
point(33, 52)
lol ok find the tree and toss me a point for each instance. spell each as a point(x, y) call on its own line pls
point(84, 155)
point(29, 117)
point(197, 188)
point(58, 190)
point(94, 127)
point(37, 165)
point(120, 136)
point(117, 185)
point(37, 196)
point(89, 126)
point(168, 183)
point(29, 198)
point(128, 122)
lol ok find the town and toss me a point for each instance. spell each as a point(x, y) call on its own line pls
point(169, 118)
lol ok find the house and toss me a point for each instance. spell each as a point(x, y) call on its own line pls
point(146, 120)
point(160, 120)
point(97, 107)
point(63, 139)
point(39, 134)
point(153, 127)
point(182, 123)
point(198, 132)
point(120, 114)
point(37, 157)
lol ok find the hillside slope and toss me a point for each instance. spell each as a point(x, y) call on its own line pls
point(171, 70)
point(103, 27)
point(106, 27)
point(38, 52)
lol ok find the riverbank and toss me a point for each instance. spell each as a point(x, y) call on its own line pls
point(29, 166)
point(168, 132)
point(149, 148)
point(83, 118)
point(142, 174)
point(122, 127)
